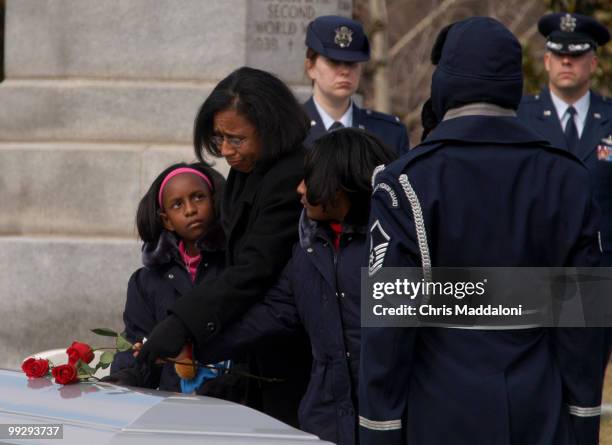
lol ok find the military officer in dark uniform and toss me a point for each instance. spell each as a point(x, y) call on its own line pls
point(336, 50)
point(571, 116)
point(482, 190)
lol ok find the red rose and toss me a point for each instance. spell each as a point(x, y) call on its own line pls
point(65, 374)
point(35, 367)
point(79, 351)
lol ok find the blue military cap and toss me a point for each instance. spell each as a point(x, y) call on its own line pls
point(572, 34)
point(338, 38)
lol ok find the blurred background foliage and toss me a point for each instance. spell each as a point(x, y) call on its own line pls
point(411, 27)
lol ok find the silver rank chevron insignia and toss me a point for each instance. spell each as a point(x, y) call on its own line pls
point(344, 36)
point(379, 242)
point(568, 23)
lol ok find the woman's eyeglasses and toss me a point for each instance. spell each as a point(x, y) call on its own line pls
point(234, 141)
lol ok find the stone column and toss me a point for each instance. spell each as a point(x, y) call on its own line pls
point(98, 97)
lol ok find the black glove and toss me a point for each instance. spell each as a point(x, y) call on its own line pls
point(131, 376)
point(166, 341)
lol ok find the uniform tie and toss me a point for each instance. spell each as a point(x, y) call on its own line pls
point(335, 126)
point(571, 132)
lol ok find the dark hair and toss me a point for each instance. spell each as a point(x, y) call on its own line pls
point(265, 101)
point(311, 55)
point(148, 221)
point(344, 160)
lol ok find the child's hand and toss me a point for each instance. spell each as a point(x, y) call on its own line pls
point(136, 347)
point(185, 354)
point(188, 370)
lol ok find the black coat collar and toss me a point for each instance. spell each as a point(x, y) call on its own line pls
point(310, 231)
point(166, 249)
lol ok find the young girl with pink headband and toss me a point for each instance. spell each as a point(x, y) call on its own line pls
point(178, 221)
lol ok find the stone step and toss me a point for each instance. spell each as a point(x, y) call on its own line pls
point(79, 188)
point(103, 110)
point(68, 110)
point(53, 290)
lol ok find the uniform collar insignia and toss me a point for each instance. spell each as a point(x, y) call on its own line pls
point(313, 123)
point(597, 115)
point(608, 140)
point(568, 23)
point(344, 36)
point(547, 113)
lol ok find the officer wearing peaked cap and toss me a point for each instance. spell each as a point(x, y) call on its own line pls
point(336, 49)
point(570, 115)
point(482, 190)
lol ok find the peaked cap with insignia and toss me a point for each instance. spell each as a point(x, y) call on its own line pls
point(338, 38)
point(572, 34)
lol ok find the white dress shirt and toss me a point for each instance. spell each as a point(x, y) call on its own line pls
point(581, 106)
point(346, 119)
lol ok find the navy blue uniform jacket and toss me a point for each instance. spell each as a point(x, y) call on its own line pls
point(319, 290)
point(491, 193)
point(152, 290)
point(389, 129)
point(539, 114)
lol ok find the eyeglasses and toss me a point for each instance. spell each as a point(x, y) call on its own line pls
point(234, 141)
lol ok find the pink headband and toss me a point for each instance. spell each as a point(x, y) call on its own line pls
point(176, 172)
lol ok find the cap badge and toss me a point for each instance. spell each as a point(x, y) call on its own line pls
point(568, 23)
point(344, 36)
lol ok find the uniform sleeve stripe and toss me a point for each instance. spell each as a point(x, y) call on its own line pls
point(585, 412)
point(380, 425)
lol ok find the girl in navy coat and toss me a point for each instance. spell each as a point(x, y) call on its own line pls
point(319, 288)
point(177, 220)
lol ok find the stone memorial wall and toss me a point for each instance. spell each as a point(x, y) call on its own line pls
point(276, 31)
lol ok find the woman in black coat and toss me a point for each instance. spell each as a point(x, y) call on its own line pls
point(319, 288)
point(252, 119)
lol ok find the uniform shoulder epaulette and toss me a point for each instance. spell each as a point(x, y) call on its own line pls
point(383, 116)
point(530, 98)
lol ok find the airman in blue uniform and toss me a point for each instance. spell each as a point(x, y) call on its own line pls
point(570, 115)
point(482, 190)
point(336, 50)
